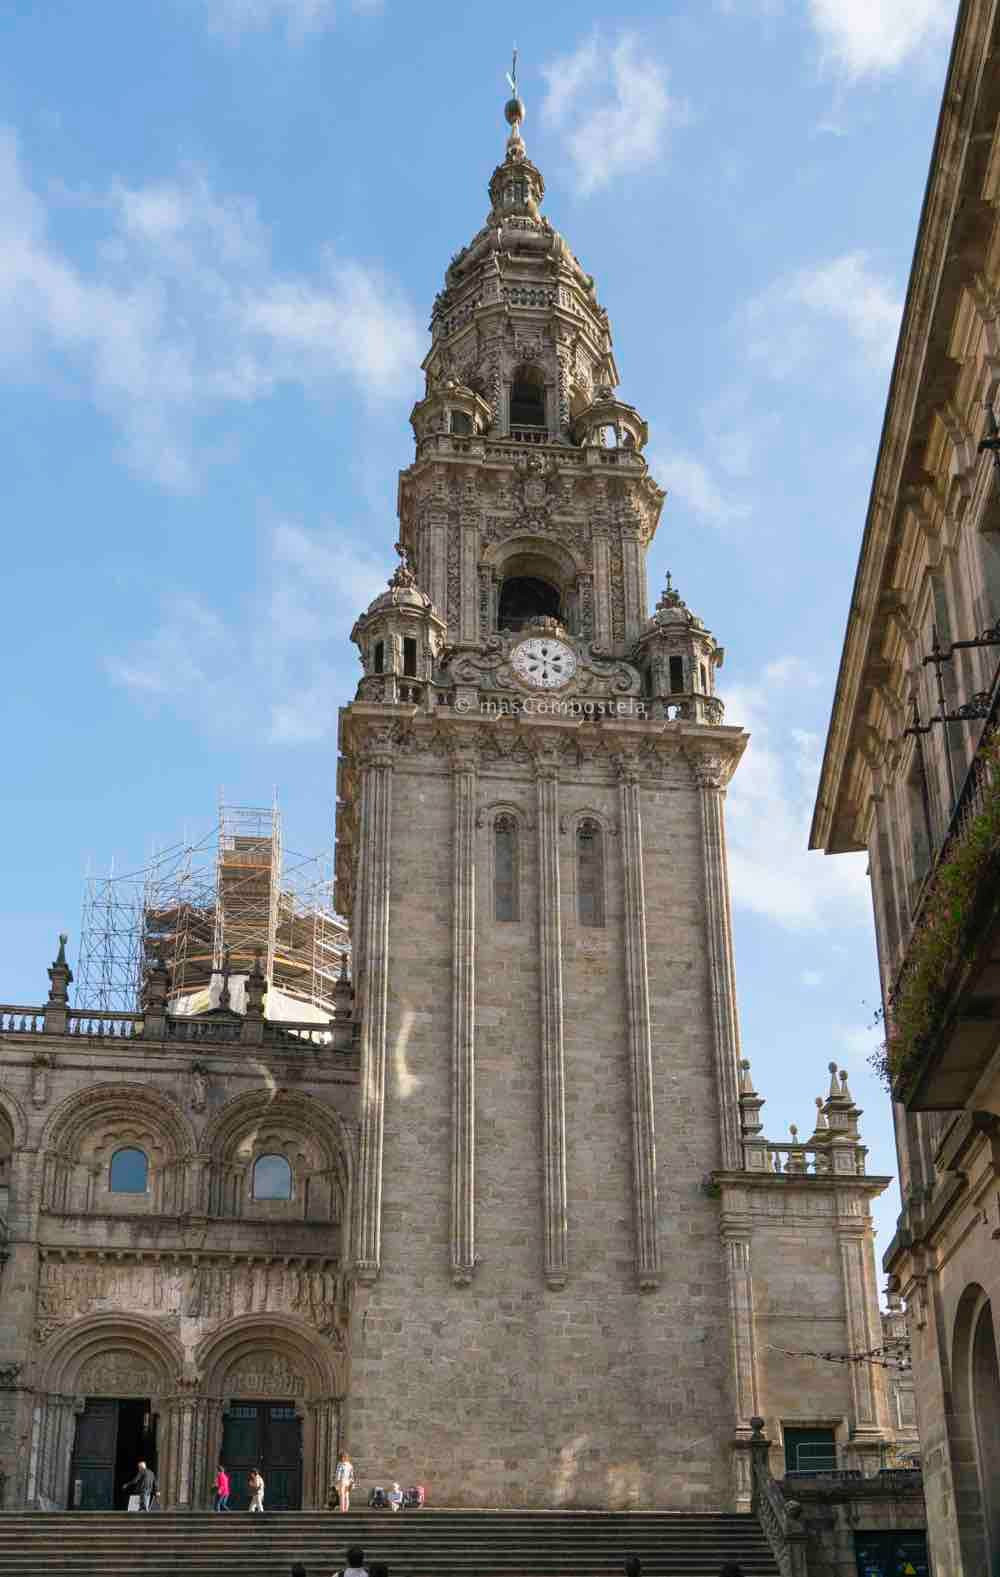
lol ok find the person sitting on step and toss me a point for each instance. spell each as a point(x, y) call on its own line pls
point(395, 1497)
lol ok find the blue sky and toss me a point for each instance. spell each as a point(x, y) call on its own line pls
point(222, 225)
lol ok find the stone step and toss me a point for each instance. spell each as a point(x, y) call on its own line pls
point(438, 1542)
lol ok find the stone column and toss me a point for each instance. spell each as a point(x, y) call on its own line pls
point(555, 1231)
point(639, 1028)
point(710, 776)
point(375, 852)
point(739, 1286)
point(463, 1016)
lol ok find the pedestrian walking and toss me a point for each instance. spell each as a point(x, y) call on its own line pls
point(298, 1570)
point(144, 1485)
point(255, 1484)
point(633, 1566)
point(343, 1479)
point(221, 1489)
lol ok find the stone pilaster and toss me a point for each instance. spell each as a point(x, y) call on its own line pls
point(739, 1285)
point(553, 1068)
point(463, 1019)
point(375, 851)
point(469, 598)
point(634, 577)
point(710, 773)
point(639, 1028)
point(602, 601)
point(863, 1331)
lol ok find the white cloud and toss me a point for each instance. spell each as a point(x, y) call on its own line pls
point(281, 679)
point(867, 37)
point(801, 318)
point(791, 671)
point(811, 977)
point(768, 810)
point(179, 315)
point(299, 18)
point(611, 106)
point(689, 479)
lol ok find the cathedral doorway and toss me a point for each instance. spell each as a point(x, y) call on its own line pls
point(266, 1435)
point(112, 1435)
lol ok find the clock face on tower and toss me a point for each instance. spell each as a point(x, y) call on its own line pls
point(543, 662)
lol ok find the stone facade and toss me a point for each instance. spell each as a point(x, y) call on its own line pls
point(534, 1246)
point(910, 776)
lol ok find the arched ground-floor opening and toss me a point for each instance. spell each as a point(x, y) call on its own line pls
point(975, 1431)
point(265, 1392)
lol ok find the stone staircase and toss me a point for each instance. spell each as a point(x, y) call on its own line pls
point(440, 1543)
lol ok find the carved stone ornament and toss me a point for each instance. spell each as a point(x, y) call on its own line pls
point(10, 1374)
point(41, 1064)
point(198, 1087)
point(116, 1374)
point(266, 1375)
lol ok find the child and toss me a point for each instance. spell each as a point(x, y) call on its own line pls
point(395, 1497)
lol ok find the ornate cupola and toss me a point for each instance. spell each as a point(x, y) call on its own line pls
point(400, 638)
point(528, 495)
point(678, 656)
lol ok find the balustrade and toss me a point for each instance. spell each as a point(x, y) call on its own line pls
point(21, 1020)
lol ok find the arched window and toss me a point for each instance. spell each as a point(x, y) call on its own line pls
point(590, 873)
point(129, 1172)
point(272, 1177)
point(505, 895)
point(524, 597)
point(378, 658)
point(527, 398)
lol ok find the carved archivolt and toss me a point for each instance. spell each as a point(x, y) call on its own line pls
point(311, 1135)
point(261, 1346)
point(85, 1131)
point(115, 1351)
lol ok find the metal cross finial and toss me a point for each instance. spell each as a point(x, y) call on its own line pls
point(512, 73)
point(670, 581)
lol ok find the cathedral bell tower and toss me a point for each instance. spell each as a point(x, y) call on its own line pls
point(531, 852)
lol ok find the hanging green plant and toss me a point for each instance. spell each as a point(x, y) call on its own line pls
point(962, 887)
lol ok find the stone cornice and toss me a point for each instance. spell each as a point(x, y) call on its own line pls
point(922, 377)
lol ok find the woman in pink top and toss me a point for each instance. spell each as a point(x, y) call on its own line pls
point(221, 1489)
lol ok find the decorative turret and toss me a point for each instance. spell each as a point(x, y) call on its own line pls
point(400, 638)
point(678, 657)
point(60, 980)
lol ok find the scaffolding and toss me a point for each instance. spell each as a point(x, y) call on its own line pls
point(223, 901)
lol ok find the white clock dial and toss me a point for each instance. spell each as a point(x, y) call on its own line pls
point(543, 662)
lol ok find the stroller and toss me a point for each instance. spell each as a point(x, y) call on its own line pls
point(378, 1500)
point(414, 1497)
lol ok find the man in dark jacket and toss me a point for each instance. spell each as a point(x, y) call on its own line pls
point(144, 1485)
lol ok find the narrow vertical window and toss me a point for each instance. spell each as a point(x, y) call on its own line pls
point(409, 657)
point(704, 679)
point(505, 868)
point(378, 658)
point(590, 874)
point(676, 674)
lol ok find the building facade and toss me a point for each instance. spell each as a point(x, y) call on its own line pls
point(910, 775)
point(508, 1224)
